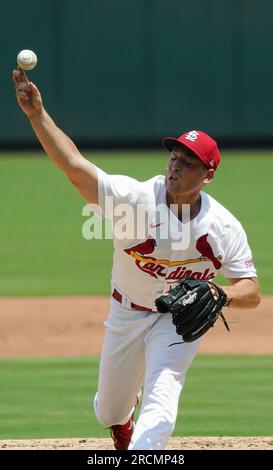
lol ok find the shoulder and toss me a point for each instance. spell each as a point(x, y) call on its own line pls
point(128, 181)
point(151, 190)
point(221, 219)
point(117, 180)
point(127, 189)
point(155, 184)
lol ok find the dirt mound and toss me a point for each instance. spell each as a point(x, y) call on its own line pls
point(70, 326)
point(176, 443)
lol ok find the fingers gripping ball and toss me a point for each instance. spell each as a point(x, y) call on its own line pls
point(195, 305)
point(26, 60)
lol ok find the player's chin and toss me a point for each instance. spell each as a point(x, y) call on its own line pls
point(173, 186)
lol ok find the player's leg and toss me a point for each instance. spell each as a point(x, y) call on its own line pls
point(122, 365)
point(166, 368)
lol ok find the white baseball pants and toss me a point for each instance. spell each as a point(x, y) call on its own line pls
point(136, 352)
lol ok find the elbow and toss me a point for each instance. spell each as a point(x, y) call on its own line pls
point(71, 164)
point(256, 294)
point(72, 170)
point(71, 175)
point(255, 300)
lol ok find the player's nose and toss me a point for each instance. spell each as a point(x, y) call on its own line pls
point(176, 169)
point(177, 164)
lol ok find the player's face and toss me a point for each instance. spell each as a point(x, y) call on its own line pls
point(185, 174)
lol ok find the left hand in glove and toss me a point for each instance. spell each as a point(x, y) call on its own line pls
point(195, 305)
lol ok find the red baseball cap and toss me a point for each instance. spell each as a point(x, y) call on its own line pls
point(200, 143)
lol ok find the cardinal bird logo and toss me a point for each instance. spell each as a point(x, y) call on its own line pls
point(203, 246)
point(144, 248)
point(158, 268)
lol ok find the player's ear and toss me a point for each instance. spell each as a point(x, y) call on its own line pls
point(209, 176)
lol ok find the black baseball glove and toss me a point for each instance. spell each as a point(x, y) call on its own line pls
point(195, 305)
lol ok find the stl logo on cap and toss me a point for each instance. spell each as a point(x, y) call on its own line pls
point(192, 136)
point(200, 143)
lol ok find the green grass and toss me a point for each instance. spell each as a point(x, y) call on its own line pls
point(228, 395)
point(51, 397)
point(42, 250)
point(48, 398)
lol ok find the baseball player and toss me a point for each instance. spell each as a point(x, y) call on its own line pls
point(141, 347)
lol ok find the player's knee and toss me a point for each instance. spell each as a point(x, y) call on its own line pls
point(98, 411)
point(105, 416)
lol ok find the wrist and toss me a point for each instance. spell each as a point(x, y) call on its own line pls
point(229, 296)
point(228, 302)
point(36, 115)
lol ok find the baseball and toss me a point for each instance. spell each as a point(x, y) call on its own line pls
point(26, 59)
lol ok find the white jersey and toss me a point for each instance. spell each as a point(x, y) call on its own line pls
point(144, 268)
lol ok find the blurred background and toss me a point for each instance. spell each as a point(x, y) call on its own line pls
point(127, 73)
